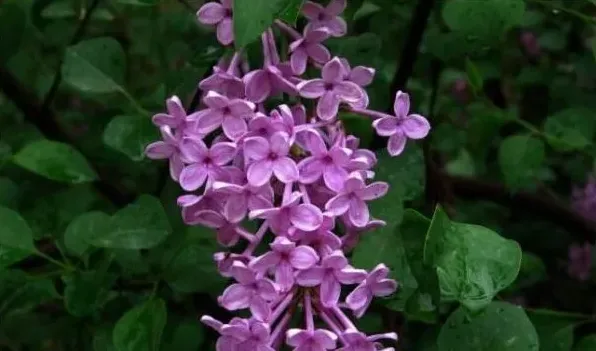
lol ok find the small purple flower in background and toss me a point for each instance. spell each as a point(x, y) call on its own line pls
point(327, 17)
point(219, 15)
point(530, 44)
point(583, 200)
point(580, 261)
point(297, 172)
point(460, 90)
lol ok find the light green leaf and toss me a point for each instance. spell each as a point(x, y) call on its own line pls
point(55, 161)
point(521, 158)
point(483, 19)
point(570, 129)
point(499, 327)
point(83, 229)
point(130, 135)
point(95, 66)
point(555, 329)
point(253, 17)
point(15, 233)
point(588, 343)
point(475, 263)
point(140, 328)
point(85, 293)
point(140, 225)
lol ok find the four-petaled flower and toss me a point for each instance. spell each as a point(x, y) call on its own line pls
point(331, 90)
point(204, 164)
point(330, 275)
point(375, 284)
point(401, 126)
point(250, 292)
point(169, 148)
point(270, 157)
point(230, 114)
point(284, 258)
point(220, 15)
point(327, 17)
point(309, 47)
point(358, 341)
point(351, 199)
point(291, 213)
point(242, 198)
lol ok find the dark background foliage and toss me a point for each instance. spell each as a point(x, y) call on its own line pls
point(93, 253)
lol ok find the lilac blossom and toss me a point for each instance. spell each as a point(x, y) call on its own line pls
point(401, 126)
point(219, 15)
point(331, 89)
point(327, 17)
point(295, 172)
point(583, 199)
point(580, 261)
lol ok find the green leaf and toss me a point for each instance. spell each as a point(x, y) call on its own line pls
point(59, 10)
point(19, 292)
point(55, 161)
point(532, 271)
point(130, 135)
point(290, 12)
point(140, 328)
point(483, 19)
point(357, 49)
point(474, 263)
point(521, 158)
point(474, 77)
point(13, 20)
point(555, 329)
point(95, 66)
point(102, 339)
point(83, 229)
point(15, 233)
point(9, 191)
point(499, 327)
point(186, 334)
point(588, 343)
point(570, 129)
point(86, 292)
point(253, 17)
point(192, 257)
point(141, 225)
point(553, 40)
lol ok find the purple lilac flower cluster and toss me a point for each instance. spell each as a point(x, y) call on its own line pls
point(580, 256)
point(294, 172)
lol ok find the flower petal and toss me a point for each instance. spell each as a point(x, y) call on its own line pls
point(259, 172)
point(306, 217)
point(310, 277)
point(265, 261)
point(373, 191)
point(401, 106)
point(222, 153)
point(193, 177)
point(312, 89)
point(303, 257)
point(328, 106)
point(312, 10)
point(348, 91)
point(225, 31)
point(159, 150)
point(211, 13)
point(285, 170)
point(260, 308)
point(336, 7)
point(280, 143)
point(338, 205)
point(397, 143)
point(415, 126)
point(298, 61)
point(234, 127)
point(215, 100)
point(209, 120)
point(333, 71)
point(258, 86)
point(330, 291)
point(256, 148)
point(358, 213)
point(236, 297)
point(310, 170)
point(386, 126)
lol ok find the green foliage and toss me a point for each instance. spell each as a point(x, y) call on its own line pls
point(130, 135)
point(56, 161)
point(499, 327)
point(586, 344)
point(570, 129)
point(141, 327)
point(555, 329)
point(521, 157)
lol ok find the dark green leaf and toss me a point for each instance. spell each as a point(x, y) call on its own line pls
point(15, 233)
point(474, 77)
point(520, 159)
point(20, 293)
point(588, 343)
point(499, 327)
point(13, 20)
point(290, 12)
point(130, 135)
point(83, 229)
point(140, 225)
point(253, 17)
point(570, 129)
point(95, 66)
point(140, 328)
point(86, 292)
point(483, 19)
point(555, 329)
point(532, 271)
point(60, 9)
point(56, 161)
point(184, 334)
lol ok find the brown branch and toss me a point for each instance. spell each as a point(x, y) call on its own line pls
point(541, 204)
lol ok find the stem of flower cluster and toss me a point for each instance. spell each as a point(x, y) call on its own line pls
point(266, 50)
point(287, 193)
point(289, 30)
point(234, 62)
point(245, 234)
point(257, 239)
point(343, 318)
point(281, 307)
point(279, 331)
point(331, 323)
point(369, 113)
point(310, 323)
point(304, 192)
